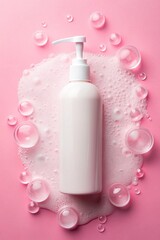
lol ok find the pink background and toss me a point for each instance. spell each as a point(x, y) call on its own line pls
point(138, 22)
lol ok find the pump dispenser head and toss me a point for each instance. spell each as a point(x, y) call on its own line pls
point(79, 70)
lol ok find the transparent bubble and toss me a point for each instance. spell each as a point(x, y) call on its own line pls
point(26, 135)
point(33, 207)
point(135, 181)
point(70, 18)
point(100, 228)
point(25, 177)
point(68, 218)
point(44, 24)
point(139, 140)
point(102, 47)
point(136, 115)
point(119, 195)
point(142, 76)
point(141, 92)
point(40, 38)
point(137, 191)
point(25, 108)
point(115, 39)
point(97, 20)
point(139, 173)
point(129, 57)
point(102, 219)
point(12, 120)
point(38, 190)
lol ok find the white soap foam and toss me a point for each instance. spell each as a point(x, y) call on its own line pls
point(41, 86)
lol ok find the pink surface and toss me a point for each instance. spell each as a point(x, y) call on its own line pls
point(138, 23)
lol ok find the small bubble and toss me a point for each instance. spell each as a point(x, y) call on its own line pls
point(115, 39)
point(137, 191)
point(100, 228)
point(141, 92)
point(33, 207)
point(26, 135)
point(44, 24)
point(142, 76)
point(25, 108)
point(69, 18)
point(38, 190)
point(25, 72)
point(68, 218)
point(136, 115)
point(97, 20)
point(102, 47)
point(135, 181)
point(126, 152)
point(102, 219)
point(129, 57)
point(139, 173)
point(12, 120)
point(25, 177)
point(40, 38)
point(119, 195)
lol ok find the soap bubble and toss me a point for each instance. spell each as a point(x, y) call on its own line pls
point(25, 108)
point(142, 76)
point(26, 135)
point(129, 57)
point(38, 190)
point(102, 47)
point(115, 39)
point(141, 92)
point(139, 173)
point(25, 177)
point(68, 218)
point(97, 20)
point(33, 207)
point(40, 38)
point(12, 120)
point(100, 228)
point(136, 115)
point(139, 140)
point(70, 18)
point(102, 219)
point(119, 195)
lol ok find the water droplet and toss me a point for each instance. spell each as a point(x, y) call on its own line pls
point(100, 228)
point(102, 219)
point(97, 20)
point(129, 57)
point(25, 177)
point(142, 76)
point(139, 140)
point(26, 135)
point(141, 92)
point(44, 24)
point(115, 39)
point(40, 38)
point(70, 18)
point(117, 114)
point(33, 207)
point(139, 173)
point(38, 190)
point(135, 181)
point(102, 47)
point(136, 115)
point(68, 218)
point(119, 195)
point(12, 120)
point(137, 191)
point(25, 108)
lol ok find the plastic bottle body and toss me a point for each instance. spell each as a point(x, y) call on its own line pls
point(80, 139)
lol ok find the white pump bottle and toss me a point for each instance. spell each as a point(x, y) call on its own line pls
point(80, 129)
